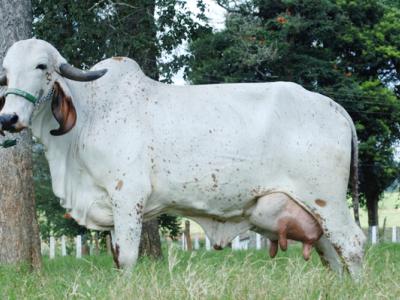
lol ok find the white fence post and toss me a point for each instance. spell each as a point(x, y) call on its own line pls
point(196, 242)
point(183, 242)
point(236, 243)
point(208, 243)
point(394, 234)
point(52, 247)
point(78, 246)
point(91, 244)
point(374, 237)
point(63, 246)
point(258, 241)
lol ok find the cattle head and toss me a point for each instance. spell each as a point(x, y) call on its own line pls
point(34, 73)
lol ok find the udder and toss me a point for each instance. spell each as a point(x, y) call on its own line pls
point(280, 218)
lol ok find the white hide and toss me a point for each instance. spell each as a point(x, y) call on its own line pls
point(207, 152)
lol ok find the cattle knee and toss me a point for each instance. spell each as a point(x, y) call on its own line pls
point(348, 243)
point(126, 233)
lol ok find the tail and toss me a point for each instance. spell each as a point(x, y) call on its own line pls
point(354, 175)
point(353, 167)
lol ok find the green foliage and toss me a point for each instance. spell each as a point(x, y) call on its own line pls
point(170, 225)
point(347, 50)
point(206, 275)
point(88, 31)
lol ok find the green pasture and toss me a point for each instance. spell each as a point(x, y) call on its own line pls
point(206, 275)
point(389, 208)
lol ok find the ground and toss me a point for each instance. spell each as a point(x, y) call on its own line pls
point(223, 274)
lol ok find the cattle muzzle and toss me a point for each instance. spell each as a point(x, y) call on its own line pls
point(8, 122)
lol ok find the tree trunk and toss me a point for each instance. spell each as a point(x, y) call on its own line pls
point(19, 231)
point(108, 244)
point(188, 238)
point(372, 193)
point(150, 244)
point(372, 207)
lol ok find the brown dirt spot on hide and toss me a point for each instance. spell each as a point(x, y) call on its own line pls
point(214, 178)
point(320, 202)
point(119, 186)
point(118, 58)
point(139, 209)
point(338, 250)
point(67, 216)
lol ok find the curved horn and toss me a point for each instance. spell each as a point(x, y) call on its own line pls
point(76, 74)
point(3, 79)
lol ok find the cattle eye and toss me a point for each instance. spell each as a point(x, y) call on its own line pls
point(41, 67)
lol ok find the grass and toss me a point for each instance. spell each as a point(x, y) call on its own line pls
point(206, 275)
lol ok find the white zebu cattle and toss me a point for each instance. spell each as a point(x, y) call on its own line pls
point(272, 157)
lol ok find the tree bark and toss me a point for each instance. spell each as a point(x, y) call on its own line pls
point(19, 231)
point(372, 207)
point(108, 244)
point(371, 192)
point(188, 238)
point(150, 244)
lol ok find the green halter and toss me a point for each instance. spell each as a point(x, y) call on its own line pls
point(21, 93)
point(8, 143)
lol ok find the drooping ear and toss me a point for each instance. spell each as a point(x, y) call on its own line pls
point(63, 110)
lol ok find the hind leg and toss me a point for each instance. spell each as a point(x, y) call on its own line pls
point(347, 241)
point(281, 218)
point(328, 255)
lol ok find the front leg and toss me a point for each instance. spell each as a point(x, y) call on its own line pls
point(128, 211)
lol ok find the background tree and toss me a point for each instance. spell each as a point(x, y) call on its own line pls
point(88, 31)
point(347, 50)
point(19, 234)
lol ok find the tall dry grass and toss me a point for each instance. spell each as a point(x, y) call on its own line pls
point(206, 275)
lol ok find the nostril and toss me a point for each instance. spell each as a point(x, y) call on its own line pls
point(14, 119)
point(7, 121)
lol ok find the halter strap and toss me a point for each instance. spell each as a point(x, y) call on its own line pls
point(21, 93)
